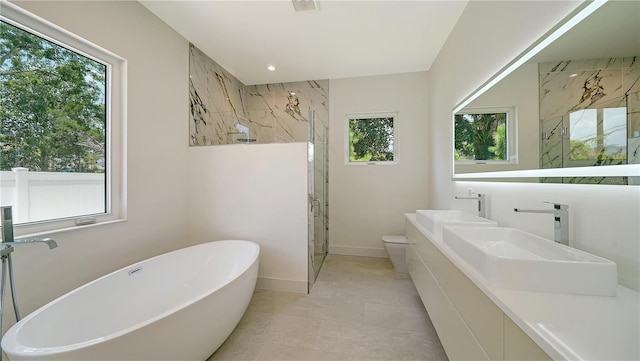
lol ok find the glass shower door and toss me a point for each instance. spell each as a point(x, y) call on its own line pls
point(318, 187)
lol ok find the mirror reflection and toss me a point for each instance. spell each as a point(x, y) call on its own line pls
point(574, 104)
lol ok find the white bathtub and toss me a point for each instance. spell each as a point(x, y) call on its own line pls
point(178, 306)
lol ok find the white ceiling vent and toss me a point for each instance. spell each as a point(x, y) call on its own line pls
point(305, 5)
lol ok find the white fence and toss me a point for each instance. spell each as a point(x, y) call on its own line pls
point(38, 196)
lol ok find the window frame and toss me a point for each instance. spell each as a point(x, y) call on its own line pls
point(115, 112)
point(511, 134)
point(366, 115)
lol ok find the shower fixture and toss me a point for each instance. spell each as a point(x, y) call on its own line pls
point(244, 132)
point(6, 248)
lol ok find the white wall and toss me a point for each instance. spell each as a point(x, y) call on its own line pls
point(256, 192)
point(604, 219)
point(368, 201)
point(157, 128)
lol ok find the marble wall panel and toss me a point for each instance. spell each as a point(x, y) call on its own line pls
point(216, 99)
point(561, 93)
point(634, 150)
point(201, 122)
point(582, 65)
point(633, 145)
point(225, 111)
point(631, 79)
point(633, 113)
point(570, 85)
point(567, 86)
point(631, 62)
point(262, 124)
point(288, 103)
point(551, 145)
point(634, 157)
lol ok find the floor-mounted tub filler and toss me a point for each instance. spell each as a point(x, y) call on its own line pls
point(178, 306)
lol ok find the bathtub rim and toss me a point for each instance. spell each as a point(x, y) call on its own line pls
point(11, 335)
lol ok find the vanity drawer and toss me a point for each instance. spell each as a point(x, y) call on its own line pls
point(456, 338)
point(480, 314)
point(518, 346)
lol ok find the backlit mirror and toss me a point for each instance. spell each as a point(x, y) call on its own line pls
point(567, 110)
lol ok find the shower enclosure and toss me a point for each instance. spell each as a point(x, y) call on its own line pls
point(604, 133)
point(318, 195)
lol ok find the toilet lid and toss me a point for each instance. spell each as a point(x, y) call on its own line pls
point(394, 239)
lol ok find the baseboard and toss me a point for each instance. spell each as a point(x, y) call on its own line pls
point(280, 285)
point(358, 251)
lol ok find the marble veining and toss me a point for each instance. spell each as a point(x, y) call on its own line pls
point(198, 112)
point(225, 111)
point(564, 92)
point(568, 86)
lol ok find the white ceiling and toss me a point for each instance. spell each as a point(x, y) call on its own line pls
point(342, 39)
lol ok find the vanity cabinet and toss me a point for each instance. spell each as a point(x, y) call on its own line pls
point(470, 325)
point(518, 346)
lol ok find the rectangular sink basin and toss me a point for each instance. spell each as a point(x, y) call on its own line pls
point(433, 220)
point(511, 258)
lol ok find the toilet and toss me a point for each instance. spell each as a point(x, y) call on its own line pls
point(396, 247)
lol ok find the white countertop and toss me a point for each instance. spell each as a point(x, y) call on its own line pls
point(565, 326)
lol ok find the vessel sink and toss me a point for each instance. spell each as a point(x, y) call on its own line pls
point(511, 258)
point(433, 220)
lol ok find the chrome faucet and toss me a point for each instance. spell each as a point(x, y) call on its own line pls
point(8, 241)
point(50, 242)
point(6, 247)
point(561, 220)
point(482, 203)
point(6, 217)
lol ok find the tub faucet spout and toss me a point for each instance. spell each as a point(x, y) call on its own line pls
point(561, 220)
point(8, 241)
point(50, 242)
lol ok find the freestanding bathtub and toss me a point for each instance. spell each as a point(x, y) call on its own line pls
point(178, 306)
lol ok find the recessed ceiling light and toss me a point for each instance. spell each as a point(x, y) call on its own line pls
point(271, 68)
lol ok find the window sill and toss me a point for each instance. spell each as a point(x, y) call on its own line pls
point(371, 163)
point(484, 162)
point(47, 233)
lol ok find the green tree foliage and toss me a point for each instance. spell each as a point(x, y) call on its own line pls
point(52, 106)
point(588, 150)
point(477, 136)
point(500, 142)
point(371, 140)
point(582, 150)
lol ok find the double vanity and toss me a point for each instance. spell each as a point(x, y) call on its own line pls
point(498, 293)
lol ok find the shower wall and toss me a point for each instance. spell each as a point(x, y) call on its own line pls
point(215, 101)
point(633, 116)
point(225, 111)
point(570, 86)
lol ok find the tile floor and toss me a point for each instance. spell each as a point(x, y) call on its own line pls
point(359, 309)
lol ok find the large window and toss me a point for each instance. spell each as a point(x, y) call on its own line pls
point(371, 139)
point(56, 119)
point(485, 135)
